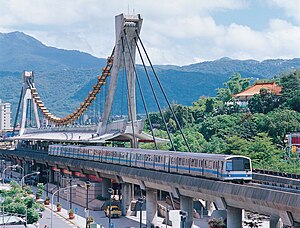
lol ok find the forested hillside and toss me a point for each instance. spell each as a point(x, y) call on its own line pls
point(64, 77)
point(219, 125)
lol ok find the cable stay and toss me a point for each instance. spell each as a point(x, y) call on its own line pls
point(83, 106)
point(141, 91)
point(162, 90)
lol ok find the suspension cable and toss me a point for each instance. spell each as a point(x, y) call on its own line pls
point(128, 96)
point(155, 97)
point(73, 117)
point(163, 91)
point(141, 91)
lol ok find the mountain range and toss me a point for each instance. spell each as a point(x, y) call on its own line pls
point(64, 77)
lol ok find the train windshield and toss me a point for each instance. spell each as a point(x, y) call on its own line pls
point(238, 164)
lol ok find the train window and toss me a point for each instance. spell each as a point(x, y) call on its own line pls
point(246, 165)
point(157, 159)
point(149, 157)
point(122, 155)
point(240, 164)
point(173, 160)
point(209, 164)
point(133, 156)
point(228, 165)
point(194, 163)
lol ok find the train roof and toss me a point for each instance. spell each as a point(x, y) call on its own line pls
point(160, 152)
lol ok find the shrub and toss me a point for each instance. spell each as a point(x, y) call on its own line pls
point(71, 211)
point(32, 216)
point(29, 202)
point(216, 223)
point(91, 219)
point(40, 186)
point(38, 194)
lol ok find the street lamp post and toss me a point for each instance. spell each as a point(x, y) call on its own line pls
point(52, 199)
point(30, 174)
point(87, 186)
point(70, 179)
point(47, 183)
point(23, 171)
point(167, 216)
point(2, 164)
point(183, 215)
point(110, 191)
point(70, 194)
point(141, 201)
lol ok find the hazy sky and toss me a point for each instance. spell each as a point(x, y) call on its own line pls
point(174, 31)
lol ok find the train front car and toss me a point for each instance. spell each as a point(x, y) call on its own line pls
point(237, 168)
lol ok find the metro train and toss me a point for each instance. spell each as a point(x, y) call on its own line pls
point(214, 166)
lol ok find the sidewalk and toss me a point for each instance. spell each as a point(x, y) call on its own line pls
point(78, 221)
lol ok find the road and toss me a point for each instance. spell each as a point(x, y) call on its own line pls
point(57, 221)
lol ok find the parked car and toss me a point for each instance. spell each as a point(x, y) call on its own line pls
point(114, 213)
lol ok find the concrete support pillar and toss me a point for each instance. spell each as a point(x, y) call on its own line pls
point(209, 206)
point(26, 168)
point(275, 222)
point(234, 217)
point(126, 197)
point(186, 204)
point(151, 207)
point(51, 175)
point(106, 184)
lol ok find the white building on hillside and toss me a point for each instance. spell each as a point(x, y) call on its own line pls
point(5, 116)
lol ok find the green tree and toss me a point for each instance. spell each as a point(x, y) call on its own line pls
point(220, 126)
point(196, 141)
point(278, 123)
point(264, 102)
point(234, 85)
point(32, 216)
point(291, 90)
point(182, 113)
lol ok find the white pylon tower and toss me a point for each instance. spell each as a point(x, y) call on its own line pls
point(28, 83)
point(131, 26)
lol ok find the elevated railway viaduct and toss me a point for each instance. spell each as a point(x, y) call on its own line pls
point(276, 203)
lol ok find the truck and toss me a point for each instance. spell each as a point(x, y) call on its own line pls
point(115, 211)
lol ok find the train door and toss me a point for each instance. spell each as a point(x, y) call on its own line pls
point(220, 169)
point(166, 163)
point(129, 158)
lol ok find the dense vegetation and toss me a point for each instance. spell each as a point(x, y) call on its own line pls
point(18, 200)
point(219, 125)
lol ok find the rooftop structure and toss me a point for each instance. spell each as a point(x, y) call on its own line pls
point(247, 94)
